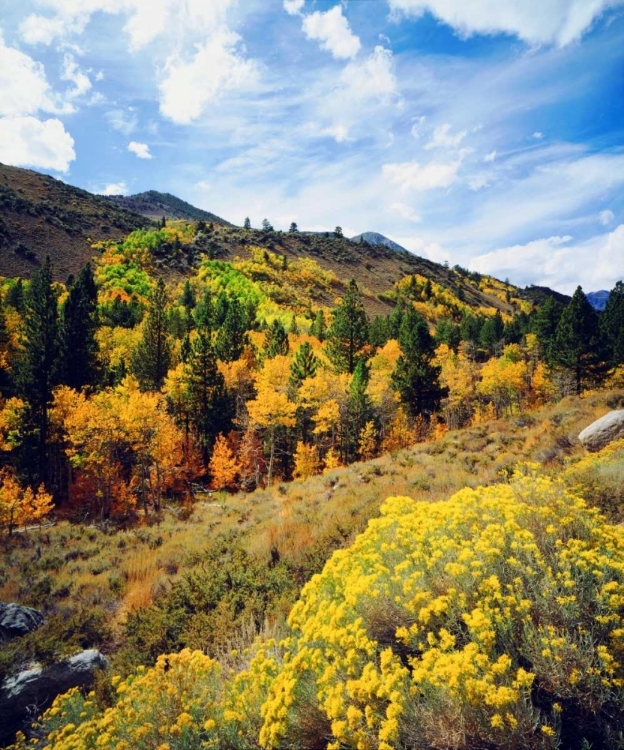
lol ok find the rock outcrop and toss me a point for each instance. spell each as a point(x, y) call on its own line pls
point(16, 620)
point(24, 696)
point(603, 431)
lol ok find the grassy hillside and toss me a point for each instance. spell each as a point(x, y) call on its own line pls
point(155, 205)
point(40, 215)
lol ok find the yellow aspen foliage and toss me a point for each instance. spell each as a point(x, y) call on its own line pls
point(21, 507)
point(332, 460)
point(10, 420)
point(367, 443)
point(438, 431)
point(307, 461)
point(275, 375)
point(224, 466)
point(272, 409)
point(400, 433)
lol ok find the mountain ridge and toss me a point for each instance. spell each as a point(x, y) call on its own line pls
point(154, 205)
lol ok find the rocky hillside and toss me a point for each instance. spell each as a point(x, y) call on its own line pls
point(40, 215)
point(155, 205)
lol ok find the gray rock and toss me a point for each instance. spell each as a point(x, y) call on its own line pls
point(24, 696)
point(16, 620)
point(603, 431)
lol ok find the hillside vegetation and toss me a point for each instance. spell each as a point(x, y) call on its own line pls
point(155, 205)
point(42, 216)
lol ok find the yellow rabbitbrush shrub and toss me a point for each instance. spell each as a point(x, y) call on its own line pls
point(494, 619)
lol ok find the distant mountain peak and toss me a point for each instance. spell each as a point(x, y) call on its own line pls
point(155, 205)
point(598, 300)
point(375, 238)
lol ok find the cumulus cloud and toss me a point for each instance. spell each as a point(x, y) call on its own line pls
point(606, 217)
point(489, 158)
point(331, 29)
point(558, 262)
point(417, 127)
point(24, 88)
point(216, 68)
point(410, 175)
point(443, 138)
point(373, 78)
point(538, 135)
point(534, 21)
point(115, 188)
point(140, 149)
point(293, 7)
point(28, 142)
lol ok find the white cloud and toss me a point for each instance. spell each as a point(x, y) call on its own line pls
point(478, 182)
point(115, 188)
point(538, 135)
point(442, 137)
point(535, 21)
point(216, 68)
point(489, 158)
point(606, 217)
point(203, 185)
point(557, 262)
point(28, 142)
point(123, 120)
point(406, 212)
point(293, 7)
point(71, 72)
point(140, 149)
point(331, 29)
point(374, 78)
point(410, 175)
point(24, 88)
point(37, 29)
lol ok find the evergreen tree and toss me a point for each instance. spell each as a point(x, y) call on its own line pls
point(211, 407)
point(38, 369)
point(415, 377)
point(612, 326)
point(319, 327)
point(492, 332)
point(378, 334)
point(5, 381)
point(79, 345)
point(276, 340)
point(360, 409)
point(348, 334)
point(427, 290)
point(294, 328)
point(232, 335)
point(338, 233)
point(266, 225)
point(471, 328)
point(396, 318)
point(204, 313)
point(304, 365)
point(448, 333)
point(187, 300)
point(293, 228)
point(544, 325)
point(247, 223)
point(576, 346)
point(152, 357)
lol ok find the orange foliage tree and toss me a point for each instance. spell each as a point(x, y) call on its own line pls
point(21, 507)
point(224, 466)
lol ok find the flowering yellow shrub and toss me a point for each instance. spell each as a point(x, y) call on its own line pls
point(599, 478)
point(491, 620)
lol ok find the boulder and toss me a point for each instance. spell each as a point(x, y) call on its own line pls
point(24, 696)
point(603, 431)
point(16, 620)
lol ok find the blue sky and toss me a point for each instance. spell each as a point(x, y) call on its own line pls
point(486, 133)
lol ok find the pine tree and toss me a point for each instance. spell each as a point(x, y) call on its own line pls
point(79, 325)
point(210, 404)
point(348, 334)
point(5, 381)
point(448, 333)
point(396, 318)
point(544, 325)
point(188, 302)
point(415, 377)
point(276, 340)
point(319, 327)
point(15, 296)
point(378, 333)
point(491, 334)
point(38, 368)
point(247, 223)
point(266, 225)
point(232, 335)
point(612, 325)
point(576, 346)
point(293, 228)
point(304, 365)
point(360, 409)
point(294, 328)
point(152, 357)
point(204, 313)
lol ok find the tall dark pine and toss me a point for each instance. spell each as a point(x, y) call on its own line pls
point(152, 357)
point(79, 325)
point(360, 409)
point(232, 335)
point(612, 325)
point(544, 325)
point(276, 340)
point(492, 333)
point(211, 407)
point(348, 333)
point(38, 367)
point(304, 365)
point(576, 346)
point(319, 327)
point(415, 377)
